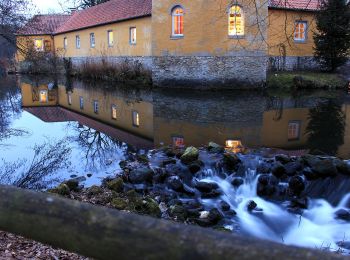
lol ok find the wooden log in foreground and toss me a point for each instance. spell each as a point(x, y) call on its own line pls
point(104, 233)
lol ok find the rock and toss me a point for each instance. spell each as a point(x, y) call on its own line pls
point(141, 175)
point(238, 181)
point(94, 190)
point(325, 168)
point(169, 152)
point(344, 244)
point(151, 207)
point(278, 170)
point(302, 203)
point(178, 212)
point(211, 194)
point(206, 186)
point(190, 155)
point(189, 190)
point(296, 185)
point(215, 148)
point(89, 175)
point(123, 164)
point(119, 203)
point(116, 185)
point(175, 183)
point(343, 167)
point(342, 214)
point(168, 161)
point(142, 158)
point(264, 168)
point(194, 167)
point(224, 206)
point(310, 160)
point(159, 175)
point(231, 161)
point(251, 205)
point(62, 189)
point(181, 171)
point(72, 184)
point(214, 216)
point(309, 174)
point(204, 214)
point(292, 168)
point(282, 158)
point(267, 185)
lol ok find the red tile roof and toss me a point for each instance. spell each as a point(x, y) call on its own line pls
point(310, 5)
point(43, 24)
point(108, 12)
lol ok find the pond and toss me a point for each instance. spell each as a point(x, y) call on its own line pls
point(52, 130)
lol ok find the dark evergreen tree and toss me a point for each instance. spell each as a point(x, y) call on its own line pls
point(326, 127)
point(332, 39)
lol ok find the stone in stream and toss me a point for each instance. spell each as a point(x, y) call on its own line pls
point(73, 184)
point(284, 159)
point(267, 185)
point(168, 161)
point(342, 214)
point(190, 155)
point(278, 170)
point(195, 167)
point(231, 161)
point(215, 148)
point(224, 206)
point(343, 167)
point(175, 183)
point(181, 171)
point(140, 175)
point(309, 174)
point(116, 185)
point(206, 186)
point(178, 212)
point(237, 181)
point(292, 168)
point(61, 189)
point(209, 218)
point(119, 203)
point(301, 203)
point(251, 205)
point(344, 244)
point(296, 185)
point(214, 216)
point(263, 168)
point(94, 190)
point(325, 168)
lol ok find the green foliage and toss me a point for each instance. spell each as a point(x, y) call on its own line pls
point(326, 127)
point(332, 40)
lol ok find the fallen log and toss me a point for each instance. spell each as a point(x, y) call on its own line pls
point(104, 233)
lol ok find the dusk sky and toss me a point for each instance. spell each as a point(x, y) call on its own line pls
point(47, 6)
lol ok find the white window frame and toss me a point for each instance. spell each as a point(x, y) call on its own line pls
point(297, 31)
point(92, 40)
point(173, 16)
point(131, 35)
point(294, 125)
point(109, 43)
point(77, 42)
point(235, 34)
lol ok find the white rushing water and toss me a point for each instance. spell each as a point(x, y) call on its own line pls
point(317, 227)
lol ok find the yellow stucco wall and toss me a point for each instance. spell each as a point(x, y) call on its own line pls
point(25, 42)
point(281, 32)
point(206, 28)
point(121, 46)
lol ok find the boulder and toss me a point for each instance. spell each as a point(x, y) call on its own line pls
point(175, 183)
point(278, 170)
point(325, 168)
point(116, 185)
point(190, 155)
point(224, 206)
point(119, 203)
point(215, 148)
point(251, 205)
point(301, 203)
point(141, 175)
point(211, 194)
point(267, 185)
point(151, 207)
point(168, 161)
point(264, 168)
point(309, 174)
point(73, 184)
point(231, 161)
point(195, 167)
point(214, 216)
point(94, 190)
point(342, 214)
point(206, 186)
point(284, 159)
point(61, 189)
point(292, 168)
point(310, 160)
point(237, 181)
point(296, 185)
point(178, 212)
point(343, 167)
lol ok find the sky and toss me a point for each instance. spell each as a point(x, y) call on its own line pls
point(47, 6)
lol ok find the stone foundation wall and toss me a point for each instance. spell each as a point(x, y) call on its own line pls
point(209, 71)
point(290, 63)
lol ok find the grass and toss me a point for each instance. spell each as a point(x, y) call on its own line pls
point(305, 80)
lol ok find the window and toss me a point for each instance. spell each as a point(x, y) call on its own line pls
point(234, 146)
point(135, 118)
point(293, 130)
point(81, 102)
point(95, 106)
point(43, 96)
point(69, 95)
point(110, 38)
point(178, 141)
point(300, 31)
point(77, 42)
point(114, 112)
point(235, 21)
point(38, 44)
point(92, 40)
point(65, 43)
point(178, 21)
point(133, 35)
point(47, 46)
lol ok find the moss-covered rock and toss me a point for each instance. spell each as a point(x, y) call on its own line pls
point(94, 190)
point(178, 212)
point(215, 148)
point(62, 189)
point(151, 208)
point(190, 155)
point(119, 203)
point(116, 185)
point(231, 161)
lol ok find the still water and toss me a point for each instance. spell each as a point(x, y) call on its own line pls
point(51, 130)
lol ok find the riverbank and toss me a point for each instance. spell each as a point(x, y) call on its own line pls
point(211, 187)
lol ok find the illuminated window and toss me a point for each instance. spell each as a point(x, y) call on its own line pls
point(178, 141)
point(110, 38)
point(133, 35)
point(92, 40)
point(293, 130)
point(95, 106)
point(300, 31)
point(235, 146)
point(65, 43)
point(114, 112)
point(69, 98)
point(235, 21)
point(77, 42)
point(81, 102)
point(39, 44)
point(178, 21)
point(43, 96)
point(47, 46)
point(135, 118)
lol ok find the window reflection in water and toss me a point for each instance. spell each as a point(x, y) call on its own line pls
point(43, 96)
point(234, 146)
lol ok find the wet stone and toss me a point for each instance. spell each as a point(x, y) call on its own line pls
point(343, 167)
point(282, 158)
point(206, 186)
point(194, 167)
point(231, 161)
point(168, 161)
point(296, 185)
point(237, 181)
point(190, 155)
point(342, 214)
point(116, 185)
point(215, 148)
point(264, 168)
point(302, 203)
point(94, 190)
point(292, 168)
point(278, 170)
point(325, 168)
point(175, 183)
point(251, 205)
point(224, 206)
point(141, 175)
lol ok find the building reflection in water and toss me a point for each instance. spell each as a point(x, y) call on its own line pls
point(144, 119)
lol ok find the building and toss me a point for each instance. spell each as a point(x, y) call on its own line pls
point(190, 43)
